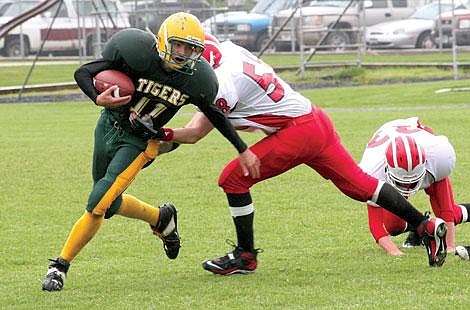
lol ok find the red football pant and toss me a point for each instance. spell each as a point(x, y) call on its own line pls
point(312, 140)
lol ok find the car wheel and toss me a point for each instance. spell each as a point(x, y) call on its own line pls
point(338, 40)
point(13, 47)
point(261, 41)
point(426, 41)
point(284, 47)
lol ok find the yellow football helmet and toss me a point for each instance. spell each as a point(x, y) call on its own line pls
point(182, 28)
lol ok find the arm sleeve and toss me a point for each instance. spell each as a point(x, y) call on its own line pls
point(376, 222)
point(84, 76)
point(223, 125)
point(442, 199)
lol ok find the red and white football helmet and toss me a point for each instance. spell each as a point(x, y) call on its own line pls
point(212, 51)
point(406, 165)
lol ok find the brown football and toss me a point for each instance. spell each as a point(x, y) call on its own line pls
point(107, 78)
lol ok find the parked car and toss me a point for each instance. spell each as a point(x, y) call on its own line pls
point(151, 13)
point(319, 15)
point(413, 32)
point(248, 29)
point(65, 33)
point(459, 20)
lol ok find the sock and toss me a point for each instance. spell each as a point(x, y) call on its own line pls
point(244, 227)
point(134, 208)
point(390, 199)
point(82, 232)
point(242, 210)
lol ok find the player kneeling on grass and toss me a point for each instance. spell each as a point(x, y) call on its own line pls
point(254, 98)
point(410, 157)
point(168, 75)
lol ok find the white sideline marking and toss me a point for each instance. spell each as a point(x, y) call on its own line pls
point(455, 89)
point(423, 107)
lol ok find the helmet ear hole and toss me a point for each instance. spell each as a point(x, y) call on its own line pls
point(406, 164)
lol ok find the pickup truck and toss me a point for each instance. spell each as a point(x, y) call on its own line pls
point(457, 22)
point(78, 24)
point(319, 15)
point(248, 29)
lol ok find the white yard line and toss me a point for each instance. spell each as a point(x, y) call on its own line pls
point(423, 107)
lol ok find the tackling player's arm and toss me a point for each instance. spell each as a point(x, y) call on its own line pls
point(195, 130)
point(222, 124)
point(249, 162)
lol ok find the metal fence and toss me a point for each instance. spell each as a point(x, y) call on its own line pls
point(260, 33)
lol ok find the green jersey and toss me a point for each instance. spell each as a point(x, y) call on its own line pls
point(159, 93)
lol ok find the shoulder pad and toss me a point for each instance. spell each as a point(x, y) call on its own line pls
point(133, 46)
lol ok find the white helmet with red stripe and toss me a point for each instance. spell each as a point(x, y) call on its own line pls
point(212, 51)
point(406, 165)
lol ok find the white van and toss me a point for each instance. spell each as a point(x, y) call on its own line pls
point(78, 24)
point(319, 15)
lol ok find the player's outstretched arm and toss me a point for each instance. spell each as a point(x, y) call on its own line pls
point(197, 128)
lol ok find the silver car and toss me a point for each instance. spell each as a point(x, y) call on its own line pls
point(413, 32)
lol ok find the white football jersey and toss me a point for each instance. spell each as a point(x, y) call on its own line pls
point(252, 96)
point(440, 155)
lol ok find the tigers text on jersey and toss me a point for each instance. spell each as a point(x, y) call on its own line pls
point(440, 155)
point(252, 96)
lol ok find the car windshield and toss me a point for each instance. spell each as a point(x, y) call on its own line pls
point(431, 11)
point(14, 9)
point(90, 7)
point(3, 8)
point(336, 3)
point(270, 7)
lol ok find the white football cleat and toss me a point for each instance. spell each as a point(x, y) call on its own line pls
point(462, 252)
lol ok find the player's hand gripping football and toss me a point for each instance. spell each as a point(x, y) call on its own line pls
point(106, 98)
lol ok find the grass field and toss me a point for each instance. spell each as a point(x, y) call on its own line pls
point(47, 72)
point(318, 252)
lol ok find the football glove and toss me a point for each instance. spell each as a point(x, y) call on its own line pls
point(144, 124)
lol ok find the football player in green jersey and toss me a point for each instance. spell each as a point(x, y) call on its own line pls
point(167, 73)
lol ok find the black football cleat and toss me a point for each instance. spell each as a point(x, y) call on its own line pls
point(237, 261)
point(413, 240)
point(463, 252)
point(167, 230)
point(55, 275)
point(433, 231)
